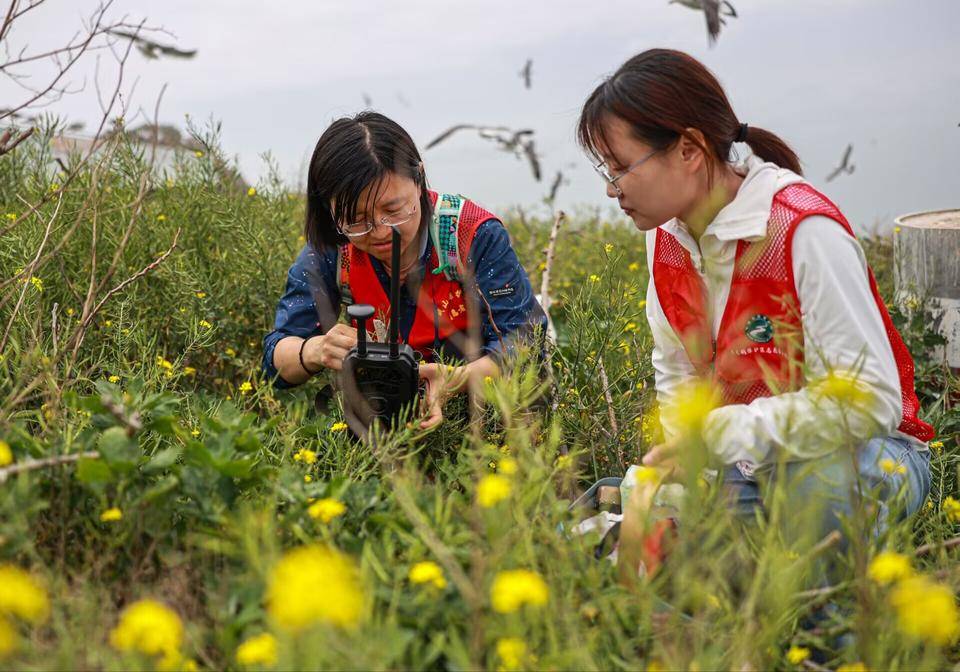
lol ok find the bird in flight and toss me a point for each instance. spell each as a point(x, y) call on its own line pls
point(713, 11)
point(519, 143)
point(526, 72)
point(151, 49)
point(844, 167)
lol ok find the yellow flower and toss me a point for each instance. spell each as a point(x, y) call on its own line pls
point(692, 404)
point(252, 191)
point(6, 455)
point(797, 654)
point(645, 475)
point(514, 588)
point(512, 652)
point(427, 572)
point(200, 295)
point(12, 216)
point(643, 302)
point(853, 667)
point(22, 596)
point(608, 248)
point(189, 370)
point(630, 326)
point(110, 515)
point(9, 640)
point(245, 387)
point(338, 427)
point(891, 467)
point(564, 461)
point(314, 584)
point(951, 508)
point(37, 283)
point(844, 388)
point(195, 432)
point(307, 478)
point(926, 610)
point(161, 218)
point(492, 489)
point(936, 446)
point(114, 379)
point(508, 466)
point(149, 627)
point(69, 312)
point(326, 509)
point(198, 154)
point(896, 229)
point(888, 567)
point(258, 650)
point(634, 266)
point(204, 324)
point(230, 352)
point(164, 364)
point(594, 277)
point(306, 456)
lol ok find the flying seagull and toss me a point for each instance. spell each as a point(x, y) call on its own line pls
point(555, 187)
point(526, 72)
point(519, 143)
point(367, 100)
point(150, 49)
point(713, 11)
point(844, 167)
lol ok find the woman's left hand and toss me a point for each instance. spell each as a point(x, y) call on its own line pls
point(666, 457)
point(440, 385)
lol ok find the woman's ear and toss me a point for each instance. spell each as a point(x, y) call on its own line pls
point(691, 153)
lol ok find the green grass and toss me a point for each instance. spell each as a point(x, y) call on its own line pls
point(211, 495)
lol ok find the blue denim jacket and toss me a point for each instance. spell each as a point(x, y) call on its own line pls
point(312, 281)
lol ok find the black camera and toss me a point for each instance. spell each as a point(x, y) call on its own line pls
point(381, 380)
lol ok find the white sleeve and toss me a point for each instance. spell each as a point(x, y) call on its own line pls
point(671, 365)
point(843, 331)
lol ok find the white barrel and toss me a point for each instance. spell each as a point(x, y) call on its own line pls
point(927, 266)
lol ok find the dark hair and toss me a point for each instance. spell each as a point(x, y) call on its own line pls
point(662, 92)
point(353, 153)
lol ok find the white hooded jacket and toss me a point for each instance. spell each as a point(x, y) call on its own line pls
point(843, 330)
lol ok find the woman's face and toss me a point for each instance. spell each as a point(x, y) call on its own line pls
point(660, 188)
point(398, 199)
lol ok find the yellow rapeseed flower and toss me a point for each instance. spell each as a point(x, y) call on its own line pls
point(307, 477)
point(161, 218)
point(12, 216)
point(634, 266)
point(37, 283)
point(314, 584)
point(896, 229)
point(245, 387)
point(6, 454)
point(306, 456)
point(936, 446)
point(512, 652)
point(198, 154)
point(888, 567)
point(797, 654)
point(608, 248)
point(111, 515)
point(189, 370)
point(230, 352)
point(491, 489)
point(951, 508)
point(645, 475)
point(114, 378)
point(514, 588)
point(891, 467)
point(564, 462)
point(338, 427)
point(844, 389)
point(22, 596)
point(164, 364)
point(258, 650)
point(252, 191)
point(200, 295)
point(326, 509)
point(194, 432)
point(594, 277)
point(9, 640)
point(427, 572)
point(926, 610)
point(853, 667)
point(508, 466)
point(204, 324)
point(692, 404)
point(149, 627)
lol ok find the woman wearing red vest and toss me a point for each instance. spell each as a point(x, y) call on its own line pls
point(365, 179)
point(758, 285)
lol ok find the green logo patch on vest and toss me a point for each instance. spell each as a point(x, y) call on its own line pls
point(759, 329)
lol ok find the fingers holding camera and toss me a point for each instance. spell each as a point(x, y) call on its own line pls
point(329, 349)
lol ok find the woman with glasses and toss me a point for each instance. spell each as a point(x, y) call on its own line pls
point(759, 286)
point(457, 267)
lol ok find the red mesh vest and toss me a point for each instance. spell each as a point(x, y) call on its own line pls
point(438, 296)
point(759, 346)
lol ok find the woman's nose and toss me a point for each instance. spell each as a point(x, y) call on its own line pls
point(613, 191)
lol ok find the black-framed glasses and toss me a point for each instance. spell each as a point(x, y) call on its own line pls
point(362, 228)
point(604, 172)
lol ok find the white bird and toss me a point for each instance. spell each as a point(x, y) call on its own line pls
point(844, 167)
point(519, 143)
point(526, 72)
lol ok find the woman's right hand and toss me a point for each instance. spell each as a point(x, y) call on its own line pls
point(329, 349)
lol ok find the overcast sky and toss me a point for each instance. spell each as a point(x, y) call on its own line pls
point(881, 74)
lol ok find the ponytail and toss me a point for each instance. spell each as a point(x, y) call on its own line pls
point(770, 147)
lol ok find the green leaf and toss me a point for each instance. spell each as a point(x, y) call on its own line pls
point(118, 450)
point(94, 471)
point(162, 460)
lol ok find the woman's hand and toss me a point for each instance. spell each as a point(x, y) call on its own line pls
point(442, 382)
point(666, 458)
point(329, 349)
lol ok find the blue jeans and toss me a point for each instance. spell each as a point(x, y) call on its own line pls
point(827, 489)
